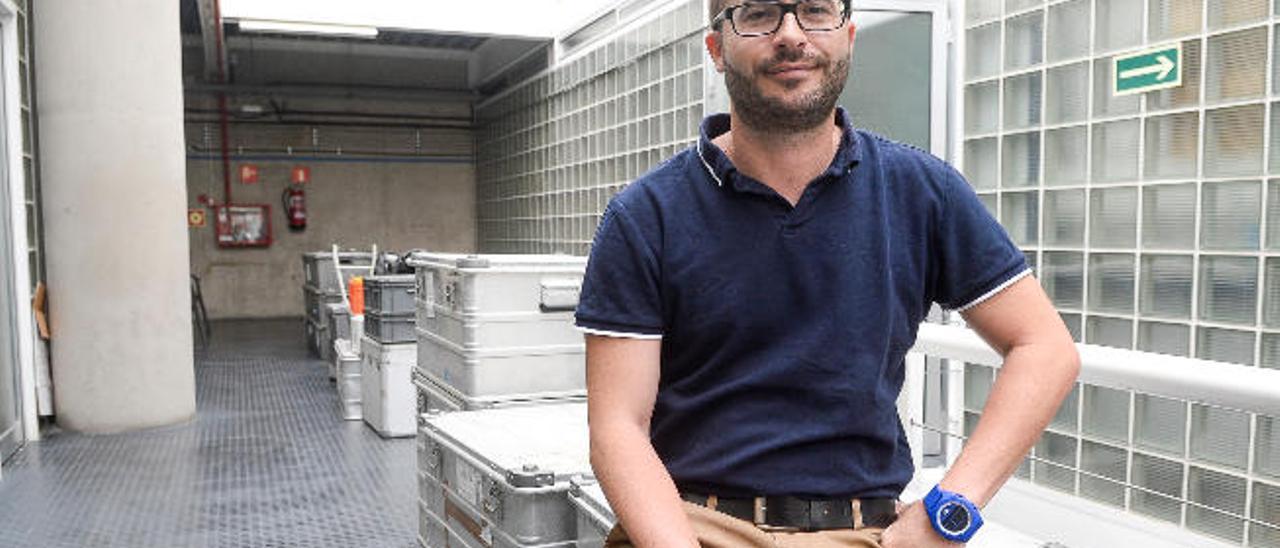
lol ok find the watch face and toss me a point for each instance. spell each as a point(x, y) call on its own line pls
point(954, 517)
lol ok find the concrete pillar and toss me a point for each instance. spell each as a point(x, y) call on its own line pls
point(109, 78)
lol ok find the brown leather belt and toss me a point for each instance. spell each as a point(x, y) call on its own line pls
point(803, 514)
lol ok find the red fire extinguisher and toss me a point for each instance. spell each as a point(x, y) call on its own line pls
point(294, 200)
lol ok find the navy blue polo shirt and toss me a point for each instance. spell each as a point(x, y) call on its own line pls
point(784, 328)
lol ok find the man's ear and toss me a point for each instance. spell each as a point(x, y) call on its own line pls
point(715, 49)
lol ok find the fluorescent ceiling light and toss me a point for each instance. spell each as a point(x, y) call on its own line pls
point(540, 19)
point(288, 27)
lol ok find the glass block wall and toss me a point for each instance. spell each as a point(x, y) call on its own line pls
point(1153, 223)
point(554, 149)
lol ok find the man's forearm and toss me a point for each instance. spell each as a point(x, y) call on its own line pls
point(638, 487)
point(1030, 388)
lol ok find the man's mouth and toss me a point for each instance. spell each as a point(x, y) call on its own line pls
point(790, 69)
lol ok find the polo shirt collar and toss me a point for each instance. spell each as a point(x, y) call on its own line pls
point(721, 169)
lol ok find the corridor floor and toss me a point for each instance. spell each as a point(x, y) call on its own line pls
point(266, 463)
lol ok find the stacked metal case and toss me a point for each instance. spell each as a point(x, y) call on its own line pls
point(338, 318)
point(497, 330)
point(388, 352)
point(346, 357)
point(317, 328)
point(499, 478)
point(387, 395)
point(322, 286)
point(595, 517)
point(337, 322)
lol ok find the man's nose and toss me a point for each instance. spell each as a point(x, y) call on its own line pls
point(789, 33)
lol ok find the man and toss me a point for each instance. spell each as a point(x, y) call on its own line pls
point(748, 305)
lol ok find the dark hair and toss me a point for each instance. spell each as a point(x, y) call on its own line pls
point(714, 7)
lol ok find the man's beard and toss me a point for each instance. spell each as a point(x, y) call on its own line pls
point(753, 109)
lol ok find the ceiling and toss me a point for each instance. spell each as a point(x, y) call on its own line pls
point(396, 61)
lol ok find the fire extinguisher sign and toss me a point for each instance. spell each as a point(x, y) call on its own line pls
point(248, 174)
point(300, 175)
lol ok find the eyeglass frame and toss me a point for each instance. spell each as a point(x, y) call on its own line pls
point(727, 15)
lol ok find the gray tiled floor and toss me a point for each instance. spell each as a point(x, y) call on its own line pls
point(267, 462)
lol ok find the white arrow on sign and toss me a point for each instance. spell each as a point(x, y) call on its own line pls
point(1163, 65)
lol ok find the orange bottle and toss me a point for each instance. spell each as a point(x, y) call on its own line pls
point(355, 290)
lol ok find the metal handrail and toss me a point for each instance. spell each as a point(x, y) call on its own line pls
point(1242, 387)
point(1239, 387)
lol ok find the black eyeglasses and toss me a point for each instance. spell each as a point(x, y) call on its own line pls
point(764, 18)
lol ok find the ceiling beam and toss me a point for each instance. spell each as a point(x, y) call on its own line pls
point(496, 57)
point(215, 57)
point(341, 92)
point(339, 47)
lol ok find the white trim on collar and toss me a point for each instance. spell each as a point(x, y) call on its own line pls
point(706, 165)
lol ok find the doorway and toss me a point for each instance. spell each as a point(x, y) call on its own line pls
point(11, 404)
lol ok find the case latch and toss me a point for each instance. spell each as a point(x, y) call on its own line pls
point(492, 498)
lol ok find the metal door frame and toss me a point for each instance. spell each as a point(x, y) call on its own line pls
point(20, 282)
point(939, 81)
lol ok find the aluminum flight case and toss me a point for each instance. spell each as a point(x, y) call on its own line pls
point(316, 333)
point(316, 300)
point(499, 478)
point(320, 273)
point(338, 317)
point(388, 399)
point(500, 325)
point(309, 334)
point(434, 395)
point(336, 320)
point(347, 365)
point(595, 517)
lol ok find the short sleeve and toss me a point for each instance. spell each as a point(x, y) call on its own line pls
point(976, 257)
point(621, 294)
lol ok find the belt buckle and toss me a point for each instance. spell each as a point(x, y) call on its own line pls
point(823, 514)
point(817, 515)
point(807, 525)
point(760, 515)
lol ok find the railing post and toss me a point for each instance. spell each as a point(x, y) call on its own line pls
point(911, 406)
point(954, 371)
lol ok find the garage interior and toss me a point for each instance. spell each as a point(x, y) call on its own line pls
point(179, 176)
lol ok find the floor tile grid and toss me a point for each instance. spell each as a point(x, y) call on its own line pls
point(267, 462)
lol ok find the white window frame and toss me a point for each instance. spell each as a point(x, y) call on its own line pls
point(24, 334)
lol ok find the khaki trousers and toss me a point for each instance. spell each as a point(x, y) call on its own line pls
point(716, 530)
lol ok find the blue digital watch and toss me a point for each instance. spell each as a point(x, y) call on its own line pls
point(952, 515)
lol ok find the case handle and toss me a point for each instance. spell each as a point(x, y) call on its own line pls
point(426, 287)
point(559, 295)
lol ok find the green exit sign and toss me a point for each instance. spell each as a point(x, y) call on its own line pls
point(1148, 70)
